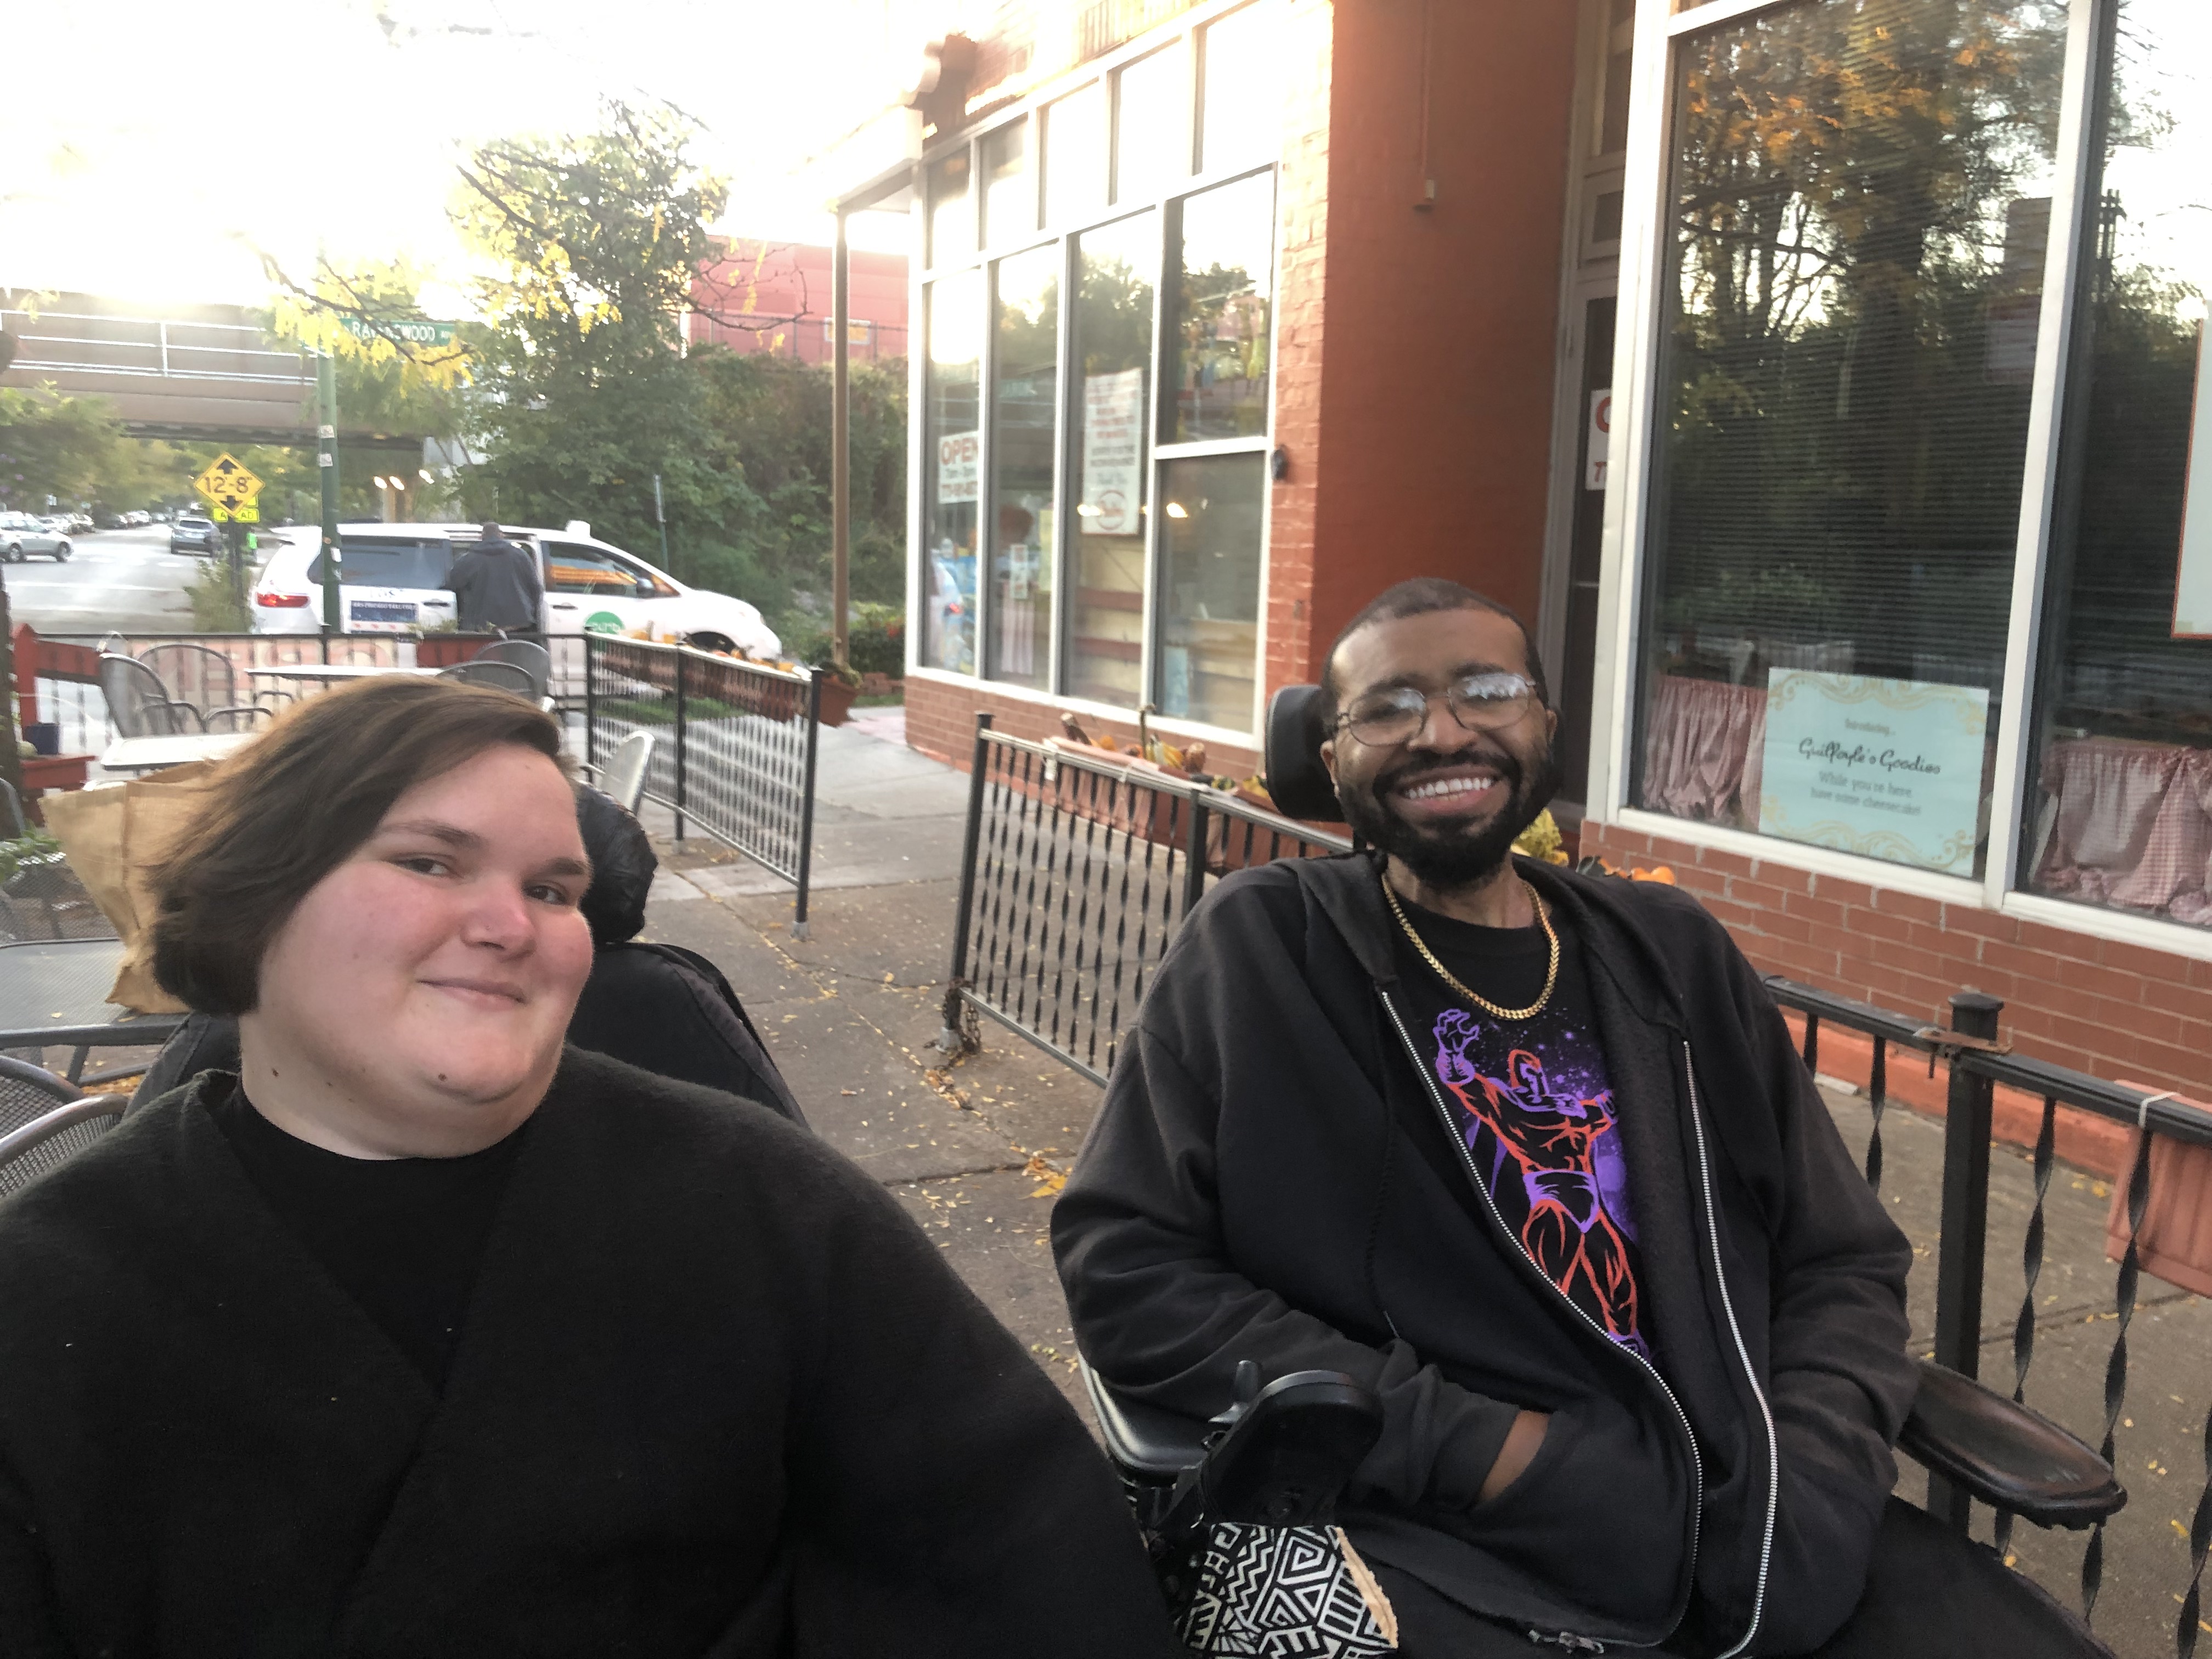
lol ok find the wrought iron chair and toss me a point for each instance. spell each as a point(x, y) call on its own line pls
point(138, 704)
point(533, 659)
point(47, 1122)
point(499, 675)
point(209, 681)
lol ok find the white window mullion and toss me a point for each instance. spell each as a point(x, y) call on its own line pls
point(1646, 222)
point(2039, 481)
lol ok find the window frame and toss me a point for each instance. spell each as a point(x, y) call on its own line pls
point(1629, 506)
point(1188, 33)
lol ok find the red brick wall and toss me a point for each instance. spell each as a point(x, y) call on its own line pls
point(941, 722)
point(2113, 1010)
point(1434, 417)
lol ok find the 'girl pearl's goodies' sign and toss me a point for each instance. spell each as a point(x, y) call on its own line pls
point(1891, 769)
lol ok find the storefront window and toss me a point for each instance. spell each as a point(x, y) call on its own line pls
point(1210, 605)
point(951, 213)
point(1075, 156)
point(2118, 811)
point(1226, 283)
point(1009, 190)
point(1242, 99)
point(1025, 403)
point(1151, 125)
point(951, 454)
point(1861, 214)
point(1113, 347)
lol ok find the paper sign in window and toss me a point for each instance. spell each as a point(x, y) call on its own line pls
point(2192, 580)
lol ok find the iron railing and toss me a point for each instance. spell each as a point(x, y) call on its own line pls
point(1075, 876)
point(735, 749)
point(57, 674)
point(1978, 1060)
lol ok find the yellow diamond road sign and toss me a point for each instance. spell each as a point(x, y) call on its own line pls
point(230, 490)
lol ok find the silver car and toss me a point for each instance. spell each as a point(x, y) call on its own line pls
point(22, 535)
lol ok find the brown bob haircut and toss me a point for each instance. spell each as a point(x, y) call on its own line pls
point(292, 805)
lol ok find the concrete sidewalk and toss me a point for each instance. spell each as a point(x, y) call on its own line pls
point(975, 1150)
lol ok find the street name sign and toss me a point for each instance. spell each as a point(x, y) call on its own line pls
point(413, 332)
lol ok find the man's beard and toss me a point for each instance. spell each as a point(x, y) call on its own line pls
point(1451, 855)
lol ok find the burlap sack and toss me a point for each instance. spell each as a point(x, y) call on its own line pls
point(112, 836)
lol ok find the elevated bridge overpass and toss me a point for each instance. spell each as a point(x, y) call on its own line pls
point(195, 373)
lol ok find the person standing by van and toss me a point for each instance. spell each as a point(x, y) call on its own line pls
point(495, 584)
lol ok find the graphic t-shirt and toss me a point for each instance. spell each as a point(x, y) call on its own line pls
point(1534, 1106)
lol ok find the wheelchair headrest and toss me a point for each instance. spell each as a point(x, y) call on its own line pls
point(1297, 780)
point(623, 863)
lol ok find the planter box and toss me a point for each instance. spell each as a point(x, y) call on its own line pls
point(45, 772)
point(836, 700)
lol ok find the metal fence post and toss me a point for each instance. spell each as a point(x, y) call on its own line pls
point(679, 745)
point(950, 1040)
point(591, 706)
point(1965, 1224)
point(1194, 868)
point(806, 801)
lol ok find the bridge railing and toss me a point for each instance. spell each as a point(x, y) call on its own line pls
point(66, 342)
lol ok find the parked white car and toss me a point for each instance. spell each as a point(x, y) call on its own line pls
point(395, 574)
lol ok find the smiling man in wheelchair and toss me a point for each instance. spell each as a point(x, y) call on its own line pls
point(1530, 1156)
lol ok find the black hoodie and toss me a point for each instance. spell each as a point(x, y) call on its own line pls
point(1249, 1191)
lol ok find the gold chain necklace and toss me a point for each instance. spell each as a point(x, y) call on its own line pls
point(1551, 974)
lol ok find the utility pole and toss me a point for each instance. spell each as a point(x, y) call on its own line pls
point(841, 454)
point(327, 462)
point(661, 517)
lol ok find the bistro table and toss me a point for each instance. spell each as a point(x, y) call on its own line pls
point(53, 993)
point(332, 672)
point(152, 754)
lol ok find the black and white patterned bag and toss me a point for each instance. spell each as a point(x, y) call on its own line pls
point(1286, 1593)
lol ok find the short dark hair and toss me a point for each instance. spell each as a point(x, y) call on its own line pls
point(293, 804)
point(1418, 597)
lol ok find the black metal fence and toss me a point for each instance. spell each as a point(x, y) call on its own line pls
point(734, 748)
point(70, 700)
point(1075, 873)
point(1978, 1060)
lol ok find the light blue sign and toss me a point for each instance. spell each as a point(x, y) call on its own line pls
point(1891, 768)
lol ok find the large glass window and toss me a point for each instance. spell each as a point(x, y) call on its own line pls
point(1075, 156)
point(1112, 351)
point(1860, 210)
point(1024, 422)
point(1210, 603)
point(1151, 125)
point(1245, 77)
point(1224, 291)
point(2118, 810)
point(951, 209)
point(1010, 210)
point(951, 464)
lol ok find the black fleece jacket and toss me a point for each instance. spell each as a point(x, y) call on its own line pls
point(1250, 1190)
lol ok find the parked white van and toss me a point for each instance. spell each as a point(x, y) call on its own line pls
point(394, 576)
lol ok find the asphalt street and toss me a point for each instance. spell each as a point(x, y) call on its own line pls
point(126, 580)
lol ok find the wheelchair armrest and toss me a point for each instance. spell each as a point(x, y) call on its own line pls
point(2006, 1455)
point(1149, 1442)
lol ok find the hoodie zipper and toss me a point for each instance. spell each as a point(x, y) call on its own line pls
point(1743, 1354)
point(1681, 1417)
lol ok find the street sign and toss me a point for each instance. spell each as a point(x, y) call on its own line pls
point(414, 333)
point(229, 489)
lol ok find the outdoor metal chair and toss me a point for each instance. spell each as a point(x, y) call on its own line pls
point(623, 775)
point(209, 681)
point(47, 1122)
point(499, 675)
point(533, 659)
point(138, 704)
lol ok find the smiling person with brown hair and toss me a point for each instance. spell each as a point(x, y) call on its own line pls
point(427, 1335)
